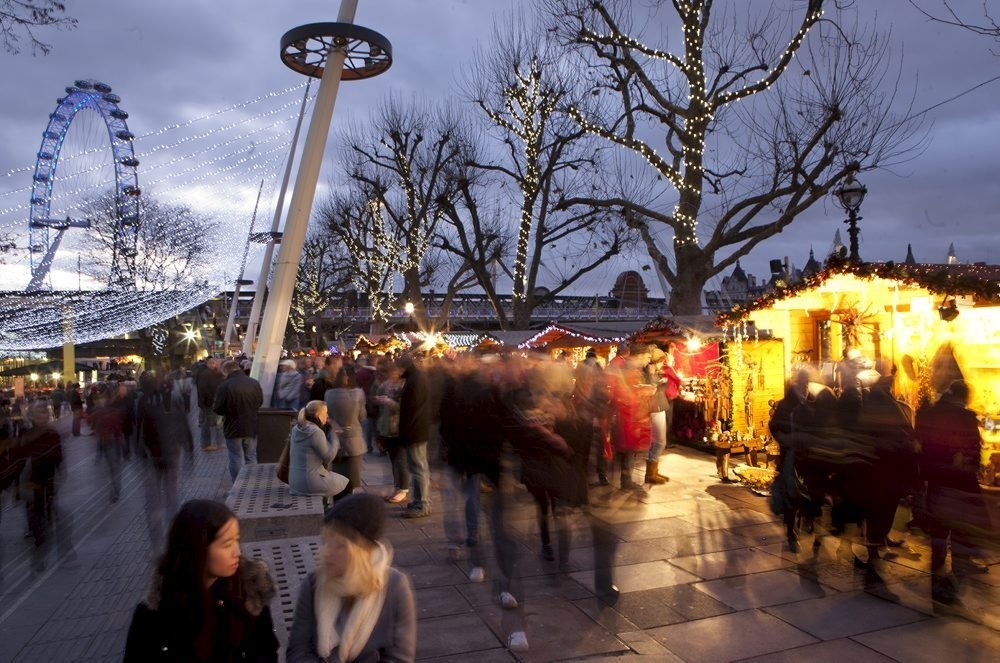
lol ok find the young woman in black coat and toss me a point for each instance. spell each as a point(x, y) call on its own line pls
point(204, 603)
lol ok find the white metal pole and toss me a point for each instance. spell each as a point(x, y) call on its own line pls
point(272, 327)
point(265, 266)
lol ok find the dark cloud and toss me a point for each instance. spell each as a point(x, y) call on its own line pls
point(171, 61)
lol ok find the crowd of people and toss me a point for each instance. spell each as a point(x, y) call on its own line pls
point(848, 459)
point(864, 453)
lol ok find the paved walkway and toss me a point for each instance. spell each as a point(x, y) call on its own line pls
point(701, 566)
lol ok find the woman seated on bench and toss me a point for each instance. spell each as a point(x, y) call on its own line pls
point(311, 449)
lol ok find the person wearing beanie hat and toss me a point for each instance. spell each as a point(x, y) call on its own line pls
point(356, 606)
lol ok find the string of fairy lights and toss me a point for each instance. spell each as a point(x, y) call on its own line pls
point(211, 164)
point(529, 103)
point(701, 106)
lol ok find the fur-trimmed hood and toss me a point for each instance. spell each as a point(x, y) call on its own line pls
point(258, 587)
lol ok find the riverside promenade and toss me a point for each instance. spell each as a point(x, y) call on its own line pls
point(701, 566)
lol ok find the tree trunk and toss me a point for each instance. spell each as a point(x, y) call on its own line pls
point(689, 281)
point(521, 312)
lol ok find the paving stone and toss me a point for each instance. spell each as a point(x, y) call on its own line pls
point(842, 615)
point(637, 577)
point(727, 519)
point(532, 589)
point(454, 635)
point(704, 541)
point(942, 639)
point(653, 529)
point(435, 575)
point(730, 637)
point(499, 655)
point(736, 562)
point(762, 589)
point(626, 552)
point(610, 619)
point(668, 605)
point(439, 602)
point(643, 611)
point(556, 631)
point(831, 650)
point(643, 644)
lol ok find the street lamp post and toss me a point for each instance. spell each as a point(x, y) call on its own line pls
point(409, 308)
point(850, 195)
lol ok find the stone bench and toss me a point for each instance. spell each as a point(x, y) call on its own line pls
point(289, 560)
point(267, 509)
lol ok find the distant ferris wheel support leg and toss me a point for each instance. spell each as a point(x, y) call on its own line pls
point(318, 50)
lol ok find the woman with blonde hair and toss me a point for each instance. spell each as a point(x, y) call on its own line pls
point(355, 606)
point(311, 448)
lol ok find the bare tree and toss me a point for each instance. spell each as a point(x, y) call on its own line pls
point(986, 26)
point(397, 165)
point(538, 157)
point(752, 120)
point(170, 247)
point(20, 18)
point(324, 272)
point(372, 249)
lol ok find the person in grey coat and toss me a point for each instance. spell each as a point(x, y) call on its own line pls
point(346, 405)
point(355, 606)
point(310, 450)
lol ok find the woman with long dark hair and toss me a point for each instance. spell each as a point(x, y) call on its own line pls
point(204, 603)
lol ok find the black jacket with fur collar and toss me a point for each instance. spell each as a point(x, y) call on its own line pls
point(241, 628)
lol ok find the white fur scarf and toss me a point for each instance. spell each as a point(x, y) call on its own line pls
point(360, 621)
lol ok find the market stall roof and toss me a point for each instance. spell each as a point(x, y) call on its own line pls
point(678, 327)
point(382, 342)
point(513, 339)
point(47, 368)
point(979, 281)
point(558, 335)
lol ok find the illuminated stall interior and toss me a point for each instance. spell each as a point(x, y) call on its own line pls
point(934, 323)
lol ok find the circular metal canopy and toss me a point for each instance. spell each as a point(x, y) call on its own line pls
point(305, 49)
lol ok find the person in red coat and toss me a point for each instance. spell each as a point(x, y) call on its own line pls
point(630, 402)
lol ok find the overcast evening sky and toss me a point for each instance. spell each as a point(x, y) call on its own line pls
point(171, 61)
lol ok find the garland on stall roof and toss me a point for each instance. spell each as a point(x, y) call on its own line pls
point(978, 280)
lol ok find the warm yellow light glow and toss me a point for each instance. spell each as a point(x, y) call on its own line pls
point(56, 376)
point(189, 335)
point(408, 308)
point(34, 377)
point(694, 344)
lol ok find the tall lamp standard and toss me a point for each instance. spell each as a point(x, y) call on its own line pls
point(409, 308)
point(850, 195)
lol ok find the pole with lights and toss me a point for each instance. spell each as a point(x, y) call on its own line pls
point(850, 195)
point(320, 50)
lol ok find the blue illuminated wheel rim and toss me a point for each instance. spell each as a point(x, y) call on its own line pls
point(100, 98)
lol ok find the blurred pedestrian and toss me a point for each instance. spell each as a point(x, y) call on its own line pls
point(206, 381)
point(288, 386)
point(238, 399)
point(106, 422)
point(414, 433)
point(345, 403)
point(355, 606)
point(956, 514)
point(205, 603)
point(163, 431)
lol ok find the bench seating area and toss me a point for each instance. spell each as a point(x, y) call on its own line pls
point(267, 509)
point(289, 560)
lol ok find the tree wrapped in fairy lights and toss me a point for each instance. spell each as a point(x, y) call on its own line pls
point(397, 165)
point(373, 249)
point(752, 119)
point(529, 156)
point(324, 271)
